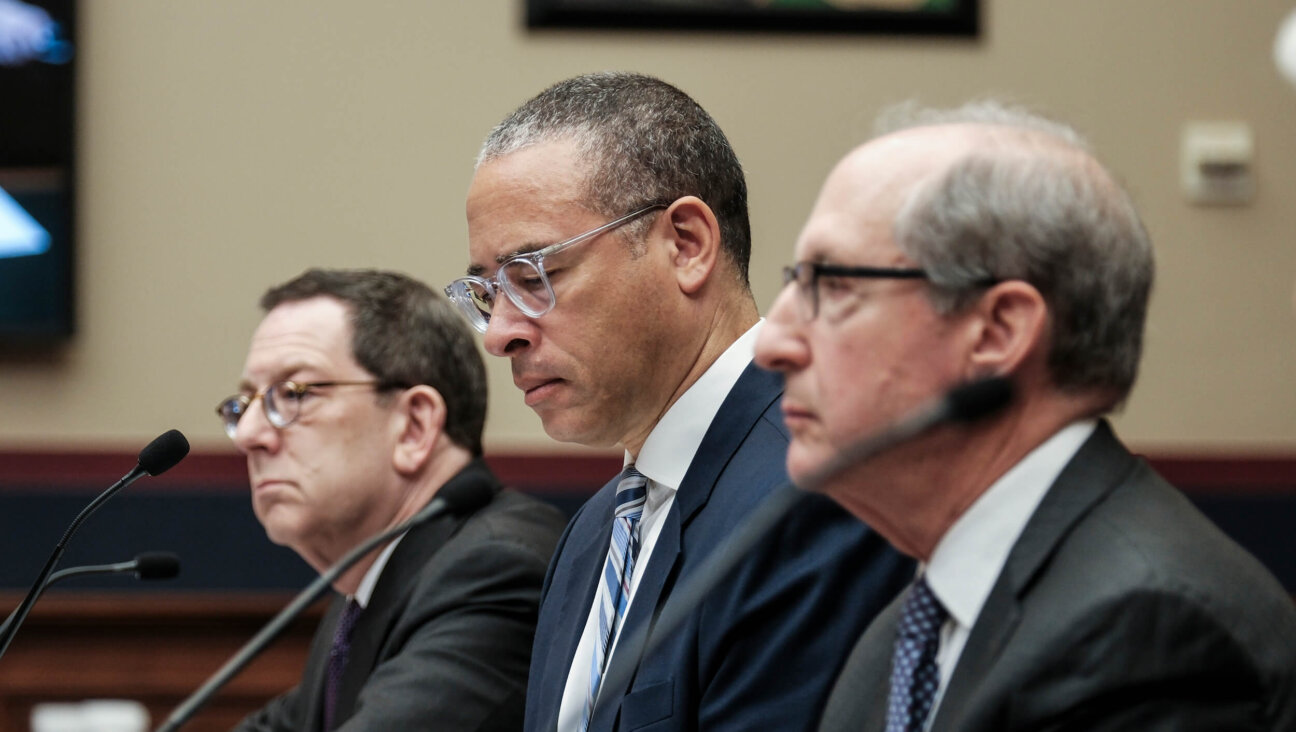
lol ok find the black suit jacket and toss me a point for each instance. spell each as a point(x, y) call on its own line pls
point(762, 650)
point(1120, 607)
point(445, 641)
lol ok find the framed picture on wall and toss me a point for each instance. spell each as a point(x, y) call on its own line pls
point(903, 17)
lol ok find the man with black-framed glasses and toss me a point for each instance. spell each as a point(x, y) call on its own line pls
point(363, 395)
point(1064, 584)
point(608, 251)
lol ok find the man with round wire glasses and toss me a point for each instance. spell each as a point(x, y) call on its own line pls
point(362, 396)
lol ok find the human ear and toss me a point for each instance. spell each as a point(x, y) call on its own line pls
point(421, 416)
point(1009, 326)
point(695, 242)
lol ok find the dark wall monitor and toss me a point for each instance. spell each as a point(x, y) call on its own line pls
point(37, 162)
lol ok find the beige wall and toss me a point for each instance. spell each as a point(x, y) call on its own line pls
point(227, 145)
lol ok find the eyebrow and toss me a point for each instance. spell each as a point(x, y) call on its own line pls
point(284, 374)
point(478, 270)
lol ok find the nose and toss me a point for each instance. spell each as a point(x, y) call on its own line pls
point(254, 431)
point(508, 331)
point(780, 345)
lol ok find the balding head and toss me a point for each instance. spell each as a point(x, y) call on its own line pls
point(1006, 195)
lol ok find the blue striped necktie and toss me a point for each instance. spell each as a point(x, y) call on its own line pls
point(914, 672)
point(614, 591)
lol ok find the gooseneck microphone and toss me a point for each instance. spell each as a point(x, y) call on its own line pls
point(452, 498)
point(145, 566)
point(966, 403)
point(156, 458)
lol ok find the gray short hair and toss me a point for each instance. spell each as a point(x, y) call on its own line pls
point(1033, 204)
point(406, 335)
point(642, 141)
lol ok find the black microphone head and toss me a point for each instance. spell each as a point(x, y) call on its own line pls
point(156, 565)
point(163, 452)
point(976, 399)
point(465, 497)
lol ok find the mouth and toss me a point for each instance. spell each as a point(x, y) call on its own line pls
point(266, 484)
point(537, 390)
point(795, 416)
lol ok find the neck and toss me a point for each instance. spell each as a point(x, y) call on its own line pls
point(418, 494)
point(932, 482)
point(699, 346)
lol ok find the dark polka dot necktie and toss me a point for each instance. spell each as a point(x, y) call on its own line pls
point(914, 674)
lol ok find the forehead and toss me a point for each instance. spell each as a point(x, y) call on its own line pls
point(525, 200)
point(306, 335)
point(854, 216)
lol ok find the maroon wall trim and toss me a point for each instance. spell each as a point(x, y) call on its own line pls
point(581, 473)
point(564, 474)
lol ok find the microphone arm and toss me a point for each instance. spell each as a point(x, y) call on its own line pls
point(452, 497)
point(965, 403)
point(156, 458)
point(146, 566)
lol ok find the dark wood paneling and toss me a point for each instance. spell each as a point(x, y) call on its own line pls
point(154, 648)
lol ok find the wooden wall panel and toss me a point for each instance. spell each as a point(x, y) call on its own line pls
point(154, 648)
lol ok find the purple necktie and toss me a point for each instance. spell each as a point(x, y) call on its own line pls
point(914, 673)
point(338, 659)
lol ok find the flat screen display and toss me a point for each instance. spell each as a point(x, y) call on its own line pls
point(37, 156)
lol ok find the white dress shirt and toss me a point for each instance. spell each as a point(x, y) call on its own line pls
point(664, 459)
point(370, 579)
point(970, 556)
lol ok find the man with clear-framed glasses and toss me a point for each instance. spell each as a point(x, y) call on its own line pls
point(608, 251)
point(363, 395)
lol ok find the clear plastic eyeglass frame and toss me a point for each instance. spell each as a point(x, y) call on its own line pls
point(522, 278)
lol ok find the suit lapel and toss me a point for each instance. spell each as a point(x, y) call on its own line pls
point(588, 555)
point(1097, 468)
point(393, 590)
point(751, 395)
point(643, 610)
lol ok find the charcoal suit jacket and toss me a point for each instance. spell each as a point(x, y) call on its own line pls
point(445, 641)
point(1120, 607)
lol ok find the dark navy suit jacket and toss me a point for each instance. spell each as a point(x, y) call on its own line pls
point(762, 650)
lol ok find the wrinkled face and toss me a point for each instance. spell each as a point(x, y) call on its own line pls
point(589, 366)
point(323, 483)
point(877, 349)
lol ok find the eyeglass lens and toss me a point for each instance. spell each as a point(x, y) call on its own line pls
point(281, 402)
point(804, 275)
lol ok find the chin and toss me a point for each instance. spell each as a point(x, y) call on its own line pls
point(576, 432)
point(804, 461)
point(280, 529)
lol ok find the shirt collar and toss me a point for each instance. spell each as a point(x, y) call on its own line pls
point(670, 447)
point(370, 579)
point(970, 556)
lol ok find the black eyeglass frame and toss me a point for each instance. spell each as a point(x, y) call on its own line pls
point(806, 276)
